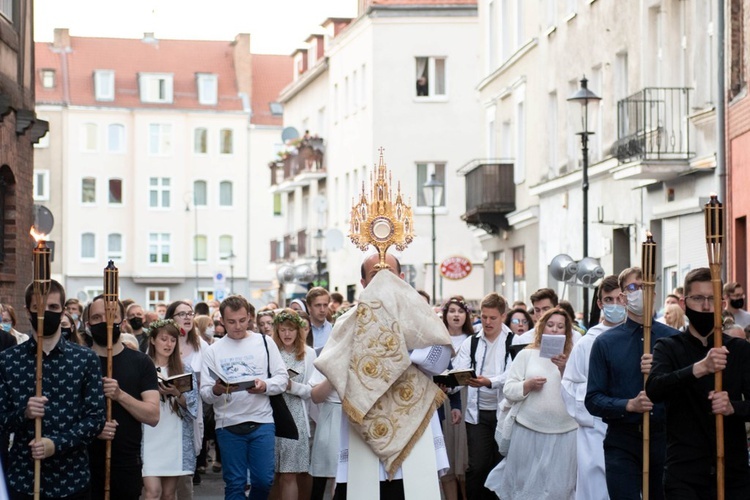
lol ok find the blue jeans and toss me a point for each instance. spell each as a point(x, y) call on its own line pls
point(253, 452)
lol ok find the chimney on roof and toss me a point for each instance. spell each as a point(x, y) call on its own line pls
point(62, 39)
point(242, 59)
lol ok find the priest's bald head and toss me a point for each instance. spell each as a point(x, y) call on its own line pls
point(368, 269)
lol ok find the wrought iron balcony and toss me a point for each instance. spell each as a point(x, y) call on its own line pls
point(490, 193)
point(652, 124)
point(302, 157)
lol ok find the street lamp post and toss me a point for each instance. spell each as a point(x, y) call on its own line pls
point(583, 96)
point(433, 194)
point(231, 258)
point(319, 240)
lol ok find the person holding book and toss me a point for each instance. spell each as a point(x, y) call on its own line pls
point(293, 455)
point(541, 460)
point(164, 456)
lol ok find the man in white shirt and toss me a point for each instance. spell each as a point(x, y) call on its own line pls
point(591, 482)
point(734, 297)
point(489, 360)
point(244, 419)
point(318, 300)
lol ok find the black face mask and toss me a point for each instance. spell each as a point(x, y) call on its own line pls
point(737, 303)
point(136, 323)
point(51, 322)
point(99, 333)
point(66, 332)
point(702, 322)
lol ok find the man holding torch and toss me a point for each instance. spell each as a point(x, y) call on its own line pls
point(615, 393)
point(71, 408)
point(681, 377)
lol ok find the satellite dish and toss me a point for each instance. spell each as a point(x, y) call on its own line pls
point(289, 134)
point(334, 240)
point(563, 267)
point(285, 273)
point(43, 219)
point(304, 273)
point(589, 271)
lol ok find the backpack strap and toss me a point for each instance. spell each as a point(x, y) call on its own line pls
point(473, 351)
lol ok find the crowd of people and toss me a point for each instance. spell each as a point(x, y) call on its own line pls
point(549, 410)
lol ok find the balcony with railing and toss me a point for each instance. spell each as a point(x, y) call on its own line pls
point(490, 193)
point(653, 133)
point(298, 164)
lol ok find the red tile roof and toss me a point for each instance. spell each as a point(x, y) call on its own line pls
point(423, 2)
point(271, 73)
point(129, 57)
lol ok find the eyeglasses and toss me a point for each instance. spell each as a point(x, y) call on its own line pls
point(634, 287)
point(699, 300)
point(517, 321)
point(184, 314)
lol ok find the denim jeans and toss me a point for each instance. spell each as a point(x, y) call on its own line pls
point(252, 452)
point(483, 455)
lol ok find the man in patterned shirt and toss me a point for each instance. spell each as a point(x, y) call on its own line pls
point(72, 407)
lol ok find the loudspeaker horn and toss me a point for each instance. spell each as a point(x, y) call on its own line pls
point(589, 271)
point(563, 267)
point(285, 273)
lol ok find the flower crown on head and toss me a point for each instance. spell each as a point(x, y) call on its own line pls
point(286, 316)
point(155, 325)
point(460, 303)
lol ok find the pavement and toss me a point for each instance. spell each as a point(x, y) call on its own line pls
point(211, 487)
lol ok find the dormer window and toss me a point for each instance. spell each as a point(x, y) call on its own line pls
point(155, 87)
point(48, 78)
point(208, 86)
point(104, 84)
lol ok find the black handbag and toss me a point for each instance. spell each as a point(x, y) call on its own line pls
point(282, 417)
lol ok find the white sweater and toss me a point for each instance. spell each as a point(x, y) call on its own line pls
point(541, 411)
point(236, 359)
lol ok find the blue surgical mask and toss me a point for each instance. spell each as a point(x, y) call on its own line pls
point(6, 326)
point(614, 313)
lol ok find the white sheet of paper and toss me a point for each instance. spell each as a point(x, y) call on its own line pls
point(552, 345)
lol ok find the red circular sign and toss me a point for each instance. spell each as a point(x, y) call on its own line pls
point(455, 268)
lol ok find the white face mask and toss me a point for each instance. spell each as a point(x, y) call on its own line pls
point(635, 302)
point(614, 313)
point(210, 332)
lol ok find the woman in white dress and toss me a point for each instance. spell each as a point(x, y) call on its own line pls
point(541, 460)
point(167, 449)
point(293, 456)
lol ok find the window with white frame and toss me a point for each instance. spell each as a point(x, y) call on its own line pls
point(48, 76)
point(491, 131)
point(362, 87)
point(519, 23)
point(88, 246)
point(104, 84)
point(160, 139)
point(200, 193)
point(551, 13)
point(159, 192)
point(506, 30)
point(347, 96)
point(116, 138)
point(226, 248)
point(200, 141)
point(159, 248)
point(226, 139)
point(595, 115)
point(91, 292)
point(41, 185)
point(335, 102)
point(355, 91)
point(89, 132)
point(506, 139)
point(114, 246)
point(552, 132)
point(6, 9)
point(430, 77)
point(491, 35)
point(115, 191)
point(200, 248)
point(155, 88)
point(156, 296)
point(225, 194)
point(208, 88)
point(88, 190)
point(572, 6)
point(424, 174)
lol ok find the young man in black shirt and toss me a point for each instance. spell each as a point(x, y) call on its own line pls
point(134, 392)
point(681, 378)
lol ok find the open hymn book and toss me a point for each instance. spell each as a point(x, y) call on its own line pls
point(454, 378)
point(239, 384)
point(183, 382)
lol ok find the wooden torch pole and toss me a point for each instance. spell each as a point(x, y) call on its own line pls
point(42, 282)
point(648, 266)
point(111, 305)
point(714, 215)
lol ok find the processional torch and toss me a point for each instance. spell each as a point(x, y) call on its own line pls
point(648, 267)
point(111, 305)
point(714, 214)
point(41, 286)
